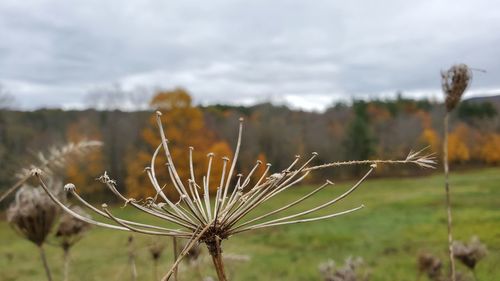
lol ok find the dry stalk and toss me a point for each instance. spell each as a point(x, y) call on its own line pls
point(210, 220)
point(69, 232)
point(454, 83)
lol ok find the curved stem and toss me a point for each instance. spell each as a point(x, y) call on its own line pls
point(45, 263)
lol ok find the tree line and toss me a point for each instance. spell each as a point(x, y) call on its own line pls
point(272, 134)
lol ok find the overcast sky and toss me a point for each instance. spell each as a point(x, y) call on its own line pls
point(305, 53)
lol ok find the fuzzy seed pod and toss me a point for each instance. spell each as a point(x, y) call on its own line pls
point(454, 82)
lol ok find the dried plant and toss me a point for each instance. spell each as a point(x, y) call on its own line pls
point(430, 266)
point(454, 83)
point(131, 256)
point(156, 249)
point(350, 271)
point(56, 159)
point(207, 220)
point(470, 254)
point(69, 232)
point(32, 215)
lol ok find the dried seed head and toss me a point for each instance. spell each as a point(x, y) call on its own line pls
point(156, 249)
point(470, 254)
point(430, 265)
point(454, 83)
point(71, 229)
point(32, 214)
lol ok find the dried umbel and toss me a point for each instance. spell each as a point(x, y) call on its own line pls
point(210, 220)
point(32, 214)
point(70, 229)
point(430, 266)
point(350, 271)
point(454, 82)
point(470, 253)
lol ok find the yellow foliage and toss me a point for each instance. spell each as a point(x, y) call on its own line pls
point(430, 138)
point(458, 150)
point(490, 150)
point(184, 127)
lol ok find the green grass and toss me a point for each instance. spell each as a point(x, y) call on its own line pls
point(401, 218)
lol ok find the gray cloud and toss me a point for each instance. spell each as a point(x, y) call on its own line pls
point(306, 53)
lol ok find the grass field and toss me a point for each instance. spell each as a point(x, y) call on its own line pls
point(401, 218)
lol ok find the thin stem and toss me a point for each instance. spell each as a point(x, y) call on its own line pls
point(176, 255)
point(45, 263)
point(155, 269)
point(448, 199)
point(131, 257)
point(15, 187)
point(66, 263)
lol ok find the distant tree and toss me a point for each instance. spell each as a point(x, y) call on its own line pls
point(490, 152)
point(82, 171)
point(458, 150)
point(359, 141)
point(470, 110)
point(184, 128)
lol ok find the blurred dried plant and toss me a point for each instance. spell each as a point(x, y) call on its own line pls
point(56, 159)
point(156, 248)
point(454, 83)
point(430, 266)
point(69, 232)
point(207, 220)
point(471, 253)
point(131, 256)
point(33, 215)
point(352, 270)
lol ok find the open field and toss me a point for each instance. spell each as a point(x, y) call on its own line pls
point(401, 217)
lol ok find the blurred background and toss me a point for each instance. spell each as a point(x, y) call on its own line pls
point(349, 80)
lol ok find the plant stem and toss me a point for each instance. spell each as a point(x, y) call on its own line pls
point(176, 255)
point(45, 264)
point(216, 254)
point(448, 200)
point(155, 269)
point(66, 264)
point(131, 257)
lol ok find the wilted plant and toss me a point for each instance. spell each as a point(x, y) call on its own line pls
point(32, 215)
point(470, 254)
point(211, 220)
point(69, 232)
point(430, 265)
point(350, 271)
point(454, 83)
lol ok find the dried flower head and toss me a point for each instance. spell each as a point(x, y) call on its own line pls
point(430, 266)
point(210, 220)
point(156, 248)
point(350, 271)
point(454, 82)
point(32, 214)
point(70, 229)
point(470, 254)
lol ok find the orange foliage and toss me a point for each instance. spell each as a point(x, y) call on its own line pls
point(458, 150)
point(81, 171)
point(490, 150)
point(430, 138)
point(184, 127)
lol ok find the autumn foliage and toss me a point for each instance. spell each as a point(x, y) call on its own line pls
point(184, 127)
